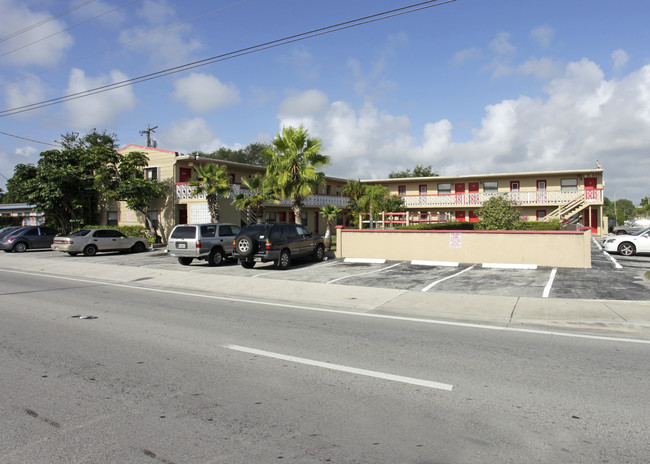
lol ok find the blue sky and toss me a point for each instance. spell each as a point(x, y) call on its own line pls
point(469, 87)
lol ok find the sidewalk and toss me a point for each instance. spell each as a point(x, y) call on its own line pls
point(630, 317)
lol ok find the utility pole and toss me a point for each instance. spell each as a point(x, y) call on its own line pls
point(149, 131)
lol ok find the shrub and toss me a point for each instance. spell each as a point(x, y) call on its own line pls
point(498, 213)
point(132, 231)
point(439, 226)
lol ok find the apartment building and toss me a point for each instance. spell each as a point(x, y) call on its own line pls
point(570, 196)
point(180, 206)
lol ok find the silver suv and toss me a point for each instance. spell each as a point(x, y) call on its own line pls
point(632, 226)
point(211, 242)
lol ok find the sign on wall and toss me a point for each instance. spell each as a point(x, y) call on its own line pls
point(455, 240)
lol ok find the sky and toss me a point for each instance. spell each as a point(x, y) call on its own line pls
point(465, 86)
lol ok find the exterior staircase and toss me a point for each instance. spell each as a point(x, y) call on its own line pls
point(568, 210)
point(248, 217)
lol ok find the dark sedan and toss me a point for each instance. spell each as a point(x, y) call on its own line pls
point(27, 238)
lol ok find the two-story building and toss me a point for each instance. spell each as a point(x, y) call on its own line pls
point(180, 206)
point(572, 195)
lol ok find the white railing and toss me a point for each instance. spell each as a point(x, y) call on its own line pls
point(521, 198)
point(184, 191)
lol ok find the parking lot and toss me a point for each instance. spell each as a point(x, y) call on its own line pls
point(611, 277)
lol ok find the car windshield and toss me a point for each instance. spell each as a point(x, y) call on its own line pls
point(256, 230)
point(641, 232)
point(81, 233)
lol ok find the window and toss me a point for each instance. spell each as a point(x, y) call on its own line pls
point(151, 173)
point(423, 189)
point(328, 189)
point(541, 214)
point(490, 186)
point(569, 184)
point(444, 189)
point(401, 190)
point(271, 217)
point(304, 219)
point(208, 231)
point(514, 186)
point(302, 231)
point(111, 218)
point(153, 217)
point(226, 230)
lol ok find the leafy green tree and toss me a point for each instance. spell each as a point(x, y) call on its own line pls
point(644, 208)
point(254, 154)
point(624, 210)
point(121, 178)
point(373, 200)
point(330, 213)
point(293, 169)
point(419, 170)
point(498, 213)
point(19, 186)
point(353, 190)
point(259, 193)
point(215, 183)
point(394, 204)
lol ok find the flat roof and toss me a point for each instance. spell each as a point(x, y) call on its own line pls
point(489, 176)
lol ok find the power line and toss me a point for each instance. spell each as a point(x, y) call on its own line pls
point(29, 140)
point(144, 36)
point(44, 21)
point(67, 29)
point(230, 55)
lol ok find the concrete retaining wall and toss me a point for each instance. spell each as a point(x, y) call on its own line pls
point(543, 248)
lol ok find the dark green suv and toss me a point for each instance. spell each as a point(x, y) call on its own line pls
point(277, 242)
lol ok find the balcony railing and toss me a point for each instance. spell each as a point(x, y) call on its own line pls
point(184, 191)
point(548, 197)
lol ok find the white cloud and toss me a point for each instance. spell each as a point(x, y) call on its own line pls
point(501, 44)
point(101, 109)
point(620, 59)
point(203, 93)
point(17, 16)
point(189, 135)
point(467, 54)
point(543, 35)
point(543, 68)
point(582, 118)
point(24, 92)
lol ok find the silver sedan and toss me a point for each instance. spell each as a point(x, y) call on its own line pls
point(91, 241)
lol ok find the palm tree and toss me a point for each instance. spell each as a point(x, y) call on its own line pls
point(330, 212)
point(254, 201)
point(293, 169)
point(215, 183)
point(373, 200)
point(353, 190)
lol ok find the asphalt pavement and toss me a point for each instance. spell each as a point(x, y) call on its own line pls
point(518, 310)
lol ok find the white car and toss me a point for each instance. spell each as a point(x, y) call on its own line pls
point(90, 241)
point(629, 245)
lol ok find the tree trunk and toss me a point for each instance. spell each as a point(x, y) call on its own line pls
point(297, 211)
point(213, 204)
point(327, 240)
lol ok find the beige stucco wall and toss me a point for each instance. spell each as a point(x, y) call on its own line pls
point(556, 249)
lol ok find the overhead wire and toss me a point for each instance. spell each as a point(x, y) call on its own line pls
point(44, 21)
point(230, 55)
point(67, 29)
point(29, 140)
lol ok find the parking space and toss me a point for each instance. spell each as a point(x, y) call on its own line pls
point(611, 276)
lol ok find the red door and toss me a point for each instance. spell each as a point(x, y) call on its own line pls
point(473, 193)
point(184, 175)
point(282, 215)
point(460, 194)
point(591, 220)
point(591, 186)
point(473, 217)
point(460, 216)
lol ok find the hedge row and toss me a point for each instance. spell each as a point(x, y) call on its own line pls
point(131, 231)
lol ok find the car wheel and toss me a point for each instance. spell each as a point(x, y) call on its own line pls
point(90, 250)
point(138, 247)
point(216, 257)
point(185, 261)
point(284, 260)
point(248, 264)
point(20, 247)
point(626, 249)
point(620, 232)
point(245, 246)
point(319, 253)
point(73, 253)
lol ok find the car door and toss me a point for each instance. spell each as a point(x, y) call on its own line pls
point(119, 241)
point(306, 240)
point(102, 239)
point(293, 239)
point(227, 233)
point(643, 243)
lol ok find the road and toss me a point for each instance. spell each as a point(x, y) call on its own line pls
point(146, 376)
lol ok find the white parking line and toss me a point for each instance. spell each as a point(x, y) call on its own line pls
point(365, 260)
point(363, 273)
point(508, 266)
point(549, 284)
point(296, 269)
point(419, 262)
point(338, 367)
point(448, 277)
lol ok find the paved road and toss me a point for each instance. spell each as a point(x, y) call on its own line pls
point(185, 378)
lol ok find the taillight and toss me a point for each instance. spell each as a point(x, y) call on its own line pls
point(233, 244)
point(268, 245)
point(198, 243)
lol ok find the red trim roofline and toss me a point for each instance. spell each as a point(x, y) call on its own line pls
point(146, 148)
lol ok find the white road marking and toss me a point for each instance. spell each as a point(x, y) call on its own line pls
point(338, 367)
point(549, 284)
point(508, 266)
point(365, 260)
point(426, 289)
point(419, 262)
point(337, 311)
point(363, 273)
